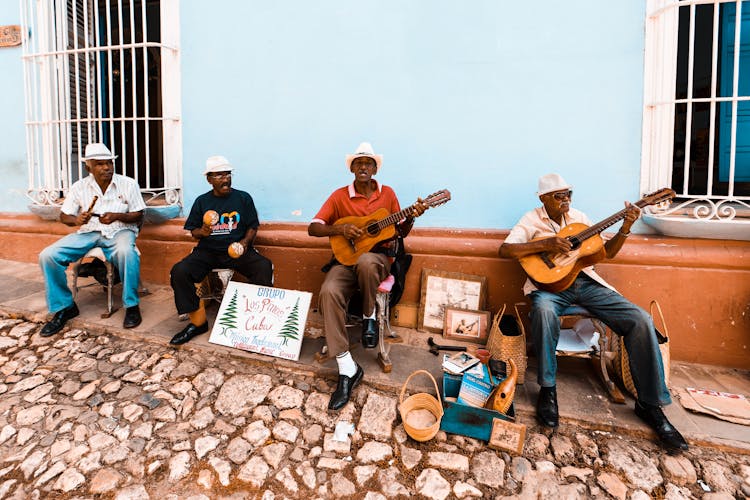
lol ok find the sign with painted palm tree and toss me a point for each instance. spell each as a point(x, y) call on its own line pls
point(262, 319)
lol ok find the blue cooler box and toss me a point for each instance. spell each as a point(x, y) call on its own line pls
point(466, 420)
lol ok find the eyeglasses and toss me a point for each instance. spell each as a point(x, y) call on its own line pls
point(560, 196)
point(217, 175)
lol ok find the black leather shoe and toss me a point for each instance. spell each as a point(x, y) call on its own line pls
point(344, 389)
point(132, 317)
point(546, 407)
point(670, 438)
point(188, 333)
point(58, 320)
point(369, 333)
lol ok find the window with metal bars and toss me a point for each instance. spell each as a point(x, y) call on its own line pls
point(103, 71)
point(696, 135)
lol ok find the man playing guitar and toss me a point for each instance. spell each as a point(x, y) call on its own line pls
point(537, 233)
point(361, 198)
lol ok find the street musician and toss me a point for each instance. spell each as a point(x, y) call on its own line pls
point(361, 198)
point(539, 232)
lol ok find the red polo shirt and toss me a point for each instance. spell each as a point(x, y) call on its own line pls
point(345, 201)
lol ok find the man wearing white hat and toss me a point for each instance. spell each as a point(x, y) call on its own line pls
point(536, 232)
point(108, 207)
point(224, 221)
point(360, 198)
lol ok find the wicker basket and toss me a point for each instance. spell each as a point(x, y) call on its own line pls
point(622, 361)
point(421, 401)
point(503, 346)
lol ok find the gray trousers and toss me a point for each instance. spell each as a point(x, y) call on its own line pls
point(340, 284)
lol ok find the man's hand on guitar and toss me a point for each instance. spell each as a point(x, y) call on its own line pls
point(556, 244)
point(349, 231)
point(632, 212)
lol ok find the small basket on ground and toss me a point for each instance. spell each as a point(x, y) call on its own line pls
point(421, 412)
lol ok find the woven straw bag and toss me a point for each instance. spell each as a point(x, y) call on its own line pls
point(622, 361)
point(507, 340)
point(421, 401)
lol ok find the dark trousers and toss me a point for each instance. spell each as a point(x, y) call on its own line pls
point(196, 266)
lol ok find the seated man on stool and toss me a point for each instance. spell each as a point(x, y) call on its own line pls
point(590, 291)
point(361, 198)
point(107, 207)
point(224, 221)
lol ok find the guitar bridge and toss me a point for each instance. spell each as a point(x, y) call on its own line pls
point(545, 258)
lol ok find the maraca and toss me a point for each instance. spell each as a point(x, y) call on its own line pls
point(235, 250)
point(211, 217)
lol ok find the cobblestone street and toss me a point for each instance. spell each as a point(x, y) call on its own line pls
point(85, 415)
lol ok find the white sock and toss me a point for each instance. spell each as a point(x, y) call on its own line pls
point(346, 363)
point(371, 316)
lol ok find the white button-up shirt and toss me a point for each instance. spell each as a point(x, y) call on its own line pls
point(122, 195)
point(537, 224)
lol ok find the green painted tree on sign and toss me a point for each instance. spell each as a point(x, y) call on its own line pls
point(291, 325)
point(228, 320)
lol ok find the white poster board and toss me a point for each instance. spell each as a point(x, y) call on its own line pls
point(262, 319)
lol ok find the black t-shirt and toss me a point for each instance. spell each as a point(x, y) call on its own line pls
point(236, 212)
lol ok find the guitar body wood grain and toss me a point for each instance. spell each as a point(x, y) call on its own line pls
point(348, 251)
point(556, 272)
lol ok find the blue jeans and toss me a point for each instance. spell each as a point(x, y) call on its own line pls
point(623, 317)
point(120, 249)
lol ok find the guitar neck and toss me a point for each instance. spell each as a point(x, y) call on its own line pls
point(394, 218)
point(612, 219)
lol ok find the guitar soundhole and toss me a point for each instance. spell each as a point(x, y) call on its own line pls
point(575, 242)
point(372, 229)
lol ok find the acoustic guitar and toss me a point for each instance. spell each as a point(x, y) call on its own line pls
point(378, 226)
point(554, 272)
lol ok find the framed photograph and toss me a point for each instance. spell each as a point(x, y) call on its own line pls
point(441, 289)
point(466, 325)
point(507, 436)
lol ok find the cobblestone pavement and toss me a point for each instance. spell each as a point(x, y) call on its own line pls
point(85, 415)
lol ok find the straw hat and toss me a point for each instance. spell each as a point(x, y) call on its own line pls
point(550, 183)
point(364, 150)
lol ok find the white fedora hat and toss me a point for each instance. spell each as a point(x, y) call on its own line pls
point(217, 164)
point(98, 151)
point(550, 183)
point(364, 150)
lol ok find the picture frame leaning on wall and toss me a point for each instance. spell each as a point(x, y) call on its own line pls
point(467, 325)
point(441, 289)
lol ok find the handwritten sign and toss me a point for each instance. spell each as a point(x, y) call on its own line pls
point(262, 319)
point(507, 436)
point(10, 36)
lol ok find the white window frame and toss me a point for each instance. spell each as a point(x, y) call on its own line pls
point(50, 149)
point(693, 215)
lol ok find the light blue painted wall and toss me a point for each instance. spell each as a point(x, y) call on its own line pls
point(480, 97)
point(13, 170)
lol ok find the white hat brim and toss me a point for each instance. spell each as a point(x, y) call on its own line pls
point(350, 158)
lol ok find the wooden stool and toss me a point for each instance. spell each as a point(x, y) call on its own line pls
point(111, 278)
point(387, 335)
point(215, 284)
point(212, 287)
